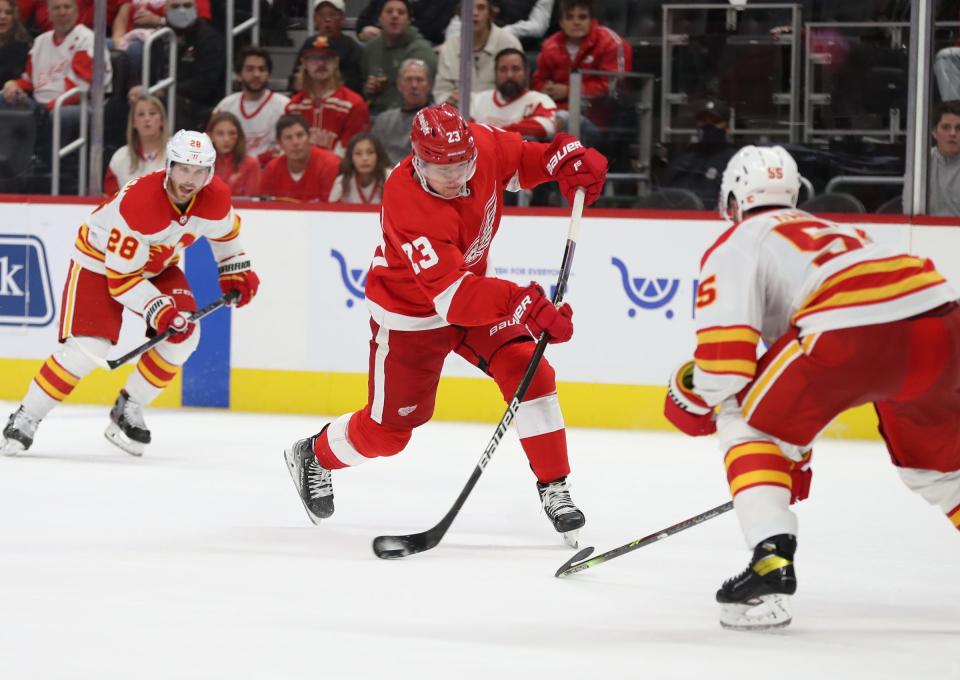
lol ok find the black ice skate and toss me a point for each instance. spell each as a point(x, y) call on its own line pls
point(561, 511)
point(127, 429)
point(313, 481)
point(759, 598)
point(19, 432)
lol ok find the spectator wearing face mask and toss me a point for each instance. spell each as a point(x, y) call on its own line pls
point(201, 61)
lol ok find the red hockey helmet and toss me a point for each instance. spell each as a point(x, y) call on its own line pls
point(440, 135)
point(444, 150)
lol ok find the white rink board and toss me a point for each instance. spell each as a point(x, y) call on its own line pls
point(307, 319)
point(617, 341)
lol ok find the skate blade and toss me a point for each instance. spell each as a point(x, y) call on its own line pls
point(11, 447)
point(767, 612)
point(116, 436)
point(572, 538)
point(292, 467)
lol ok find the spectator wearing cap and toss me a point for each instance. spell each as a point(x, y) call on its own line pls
point(256, 106)
point(488, 40)
point(581, 43)
point(511, 105)
point(328, 18)
point(334, 112)
point(700, 167)
point(304, 172)
point(430, 17)
point(392, 127)
point(383, 55)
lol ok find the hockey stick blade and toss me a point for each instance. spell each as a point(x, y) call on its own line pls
point(579, 562)
point(395, 547)
point(157, 339)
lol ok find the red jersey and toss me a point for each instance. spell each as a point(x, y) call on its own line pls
point(243, 179)
point(314, 185)
point(333, 119)
point(601, 50)
point(429, 270)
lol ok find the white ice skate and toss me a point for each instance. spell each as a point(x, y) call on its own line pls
point(765, 612)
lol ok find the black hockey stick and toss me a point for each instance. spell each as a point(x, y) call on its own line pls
point(390, 547)
point(160, 337)
point(579, 563)
point(111, 364)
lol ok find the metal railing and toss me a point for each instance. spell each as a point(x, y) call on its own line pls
point(252, 24)
point(170, 82)
point(812, 99)
point(643, 107)
point(861, 180)
point(79, 143)
point(671, 40)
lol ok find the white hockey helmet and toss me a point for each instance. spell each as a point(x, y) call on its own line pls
point(191, 148)
point(757, 176)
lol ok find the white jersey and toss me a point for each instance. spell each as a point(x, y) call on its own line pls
point(53, 67)
point(786, 268)
point(138, 233)
point(120, 165)
point(258, 119)
point(356, 194)
point(532, 114)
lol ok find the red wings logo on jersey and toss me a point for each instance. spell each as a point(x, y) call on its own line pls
point(482, 242)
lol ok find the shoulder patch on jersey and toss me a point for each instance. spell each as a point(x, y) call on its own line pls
point(144, 206)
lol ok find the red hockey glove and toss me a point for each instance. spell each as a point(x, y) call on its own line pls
point(684, 408)
point(162, 314)
point(800, 477)
point(574, 166)
point(236, 273)
point(535, 311)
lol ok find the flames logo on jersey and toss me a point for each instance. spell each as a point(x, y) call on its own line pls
point(646, 293)
point(354, 279)
point(482, 242)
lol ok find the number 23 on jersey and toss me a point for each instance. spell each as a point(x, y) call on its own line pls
point(420, 253)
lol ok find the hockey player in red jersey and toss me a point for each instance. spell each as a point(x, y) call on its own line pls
point(429, 295)
point(847, 322)
point(126, 256)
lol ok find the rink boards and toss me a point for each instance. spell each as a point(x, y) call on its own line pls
point(302, 345)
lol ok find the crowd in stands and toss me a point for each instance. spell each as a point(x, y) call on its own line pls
point(344, 116)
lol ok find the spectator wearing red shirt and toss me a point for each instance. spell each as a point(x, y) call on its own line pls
point(37, 10)
point(304, 172)
point(240, 171)
point(582, 43)
point(334, 112)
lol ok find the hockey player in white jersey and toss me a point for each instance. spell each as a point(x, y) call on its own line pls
point(126, 256)
point(846, 322)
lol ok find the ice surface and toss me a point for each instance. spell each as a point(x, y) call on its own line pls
point(198, 561)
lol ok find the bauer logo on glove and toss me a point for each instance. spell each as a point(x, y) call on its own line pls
point(683, 406)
